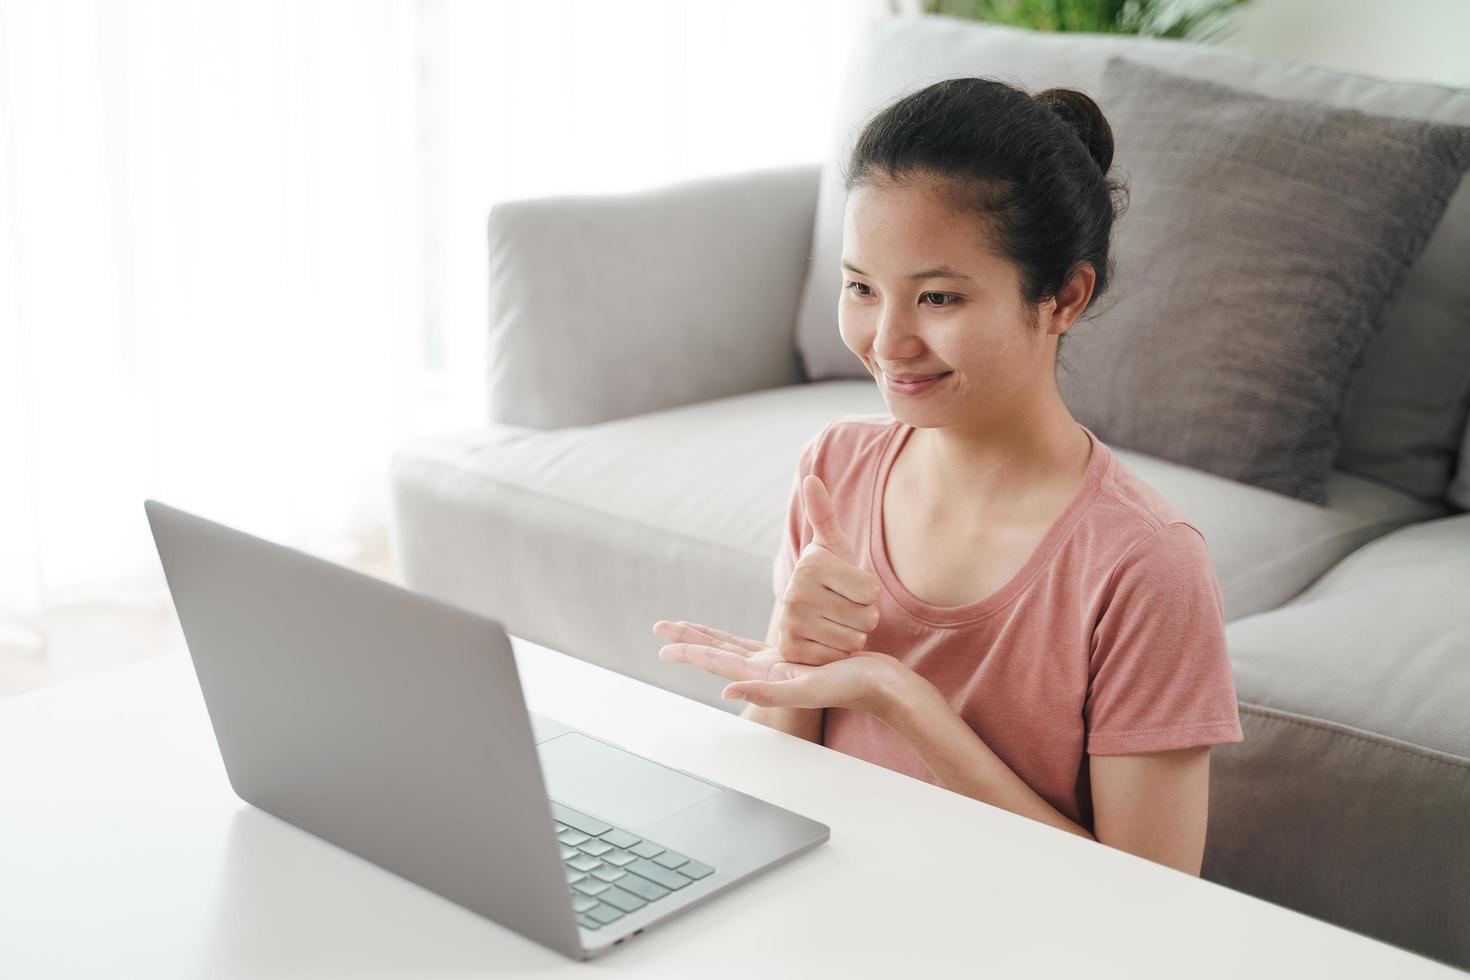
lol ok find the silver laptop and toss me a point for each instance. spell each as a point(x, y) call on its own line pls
point(393, 725)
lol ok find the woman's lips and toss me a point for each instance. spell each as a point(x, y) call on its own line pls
point(914, 387)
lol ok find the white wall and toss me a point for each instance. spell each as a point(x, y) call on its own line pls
point(1409, 40)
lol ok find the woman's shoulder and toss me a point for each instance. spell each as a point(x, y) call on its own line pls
point(1138, 503)
point(1134, 525)
point(848, 438)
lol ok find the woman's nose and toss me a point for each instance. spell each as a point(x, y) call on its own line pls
point(897, 337)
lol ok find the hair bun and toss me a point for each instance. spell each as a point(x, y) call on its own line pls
point(1080, 112)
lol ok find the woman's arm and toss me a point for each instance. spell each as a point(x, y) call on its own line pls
point(1154, 805)
point(802, 722)
point(959, 759)
point(1151, 804)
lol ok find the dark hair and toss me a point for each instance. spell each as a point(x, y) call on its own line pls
point(1034, 167)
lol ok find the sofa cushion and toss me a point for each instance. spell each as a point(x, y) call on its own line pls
point(1353, 697)
point(581, 538)
point(1378, 642)
point(1262, 242)
point(1405, 408)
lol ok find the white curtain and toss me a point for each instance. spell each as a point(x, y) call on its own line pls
point(242, 249)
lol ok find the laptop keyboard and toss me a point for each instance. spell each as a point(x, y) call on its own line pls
point(613, 872)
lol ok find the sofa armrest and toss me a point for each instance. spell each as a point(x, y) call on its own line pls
point(604, 306)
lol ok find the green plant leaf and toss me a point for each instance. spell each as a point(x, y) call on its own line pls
point(1147, 18)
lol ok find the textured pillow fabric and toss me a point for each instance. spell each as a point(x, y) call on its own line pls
point(1263, 240)
point(1406, 409)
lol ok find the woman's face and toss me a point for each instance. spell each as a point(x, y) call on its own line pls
point(923, 295)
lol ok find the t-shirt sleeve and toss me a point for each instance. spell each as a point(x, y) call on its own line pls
point(1160, 676)
point(795, 534)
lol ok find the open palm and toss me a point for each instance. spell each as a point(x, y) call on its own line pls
point(860, 680)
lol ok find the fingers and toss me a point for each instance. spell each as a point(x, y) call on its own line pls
point(834, 635)
point(791, 693)
point(716, 661)
point(732, 666)
point(755, 646)
point(693, 633)
point(805, 636)
point(690, 636)
point(830, 601)
point(818, 614)
point(821, 568)
point(810, 653)
point(822, 516)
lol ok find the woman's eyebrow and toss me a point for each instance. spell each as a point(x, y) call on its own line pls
point(938, 272)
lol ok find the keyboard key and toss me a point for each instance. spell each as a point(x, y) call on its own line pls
point(647, 849)
point(642, 887)
point(618, 857)
point(626, 901)
point(696, 870)
point(591, 886)
point(658, 874)
point(584, 823)
point(620, 838)
point(599, 858)
point(584, 862)
point(605, 914)
point(670, 859)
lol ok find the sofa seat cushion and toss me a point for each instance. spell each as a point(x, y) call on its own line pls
point(1381, 642)
point(1353, 698)
point(581, 538)
point(1266, 546)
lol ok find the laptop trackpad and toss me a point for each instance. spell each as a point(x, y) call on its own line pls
point(613, 784)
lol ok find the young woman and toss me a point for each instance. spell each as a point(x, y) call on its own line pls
point(1051, 629)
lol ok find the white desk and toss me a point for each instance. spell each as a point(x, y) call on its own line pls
point(123, 852)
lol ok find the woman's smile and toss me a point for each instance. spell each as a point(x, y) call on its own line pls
point(913, 387)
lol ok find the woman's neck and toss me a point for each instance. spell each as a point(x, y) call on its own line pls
point(999, 464)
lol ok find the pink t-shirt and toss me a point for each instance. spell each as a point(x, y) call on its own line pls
point(1110, 640)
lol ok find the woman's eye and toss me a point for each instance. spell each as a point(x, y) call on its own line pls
point(945, 298)
point(861, 289)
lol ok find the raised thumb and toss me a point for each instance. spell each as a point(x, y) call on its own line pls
point(822, 516)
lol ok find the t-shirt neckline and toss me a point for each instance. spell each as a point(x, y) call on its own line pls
point(1092, 480)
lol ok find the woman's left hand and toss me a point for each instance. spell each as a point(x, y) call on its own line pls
point(865, 681)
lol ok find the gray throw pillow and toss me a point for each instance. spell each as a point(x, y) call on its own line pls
point(1263, 240)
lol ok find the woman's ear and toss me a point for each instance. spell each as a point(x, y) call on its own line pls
point(1069, 303)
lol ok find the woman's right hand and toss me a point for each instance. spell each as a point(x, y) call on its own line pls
point(830, 605)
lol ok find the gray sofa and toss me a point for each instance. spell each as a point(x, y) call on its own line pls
point(646, 407)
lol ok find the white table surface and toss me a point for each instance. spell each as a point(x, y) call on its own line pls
point(124, 852)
